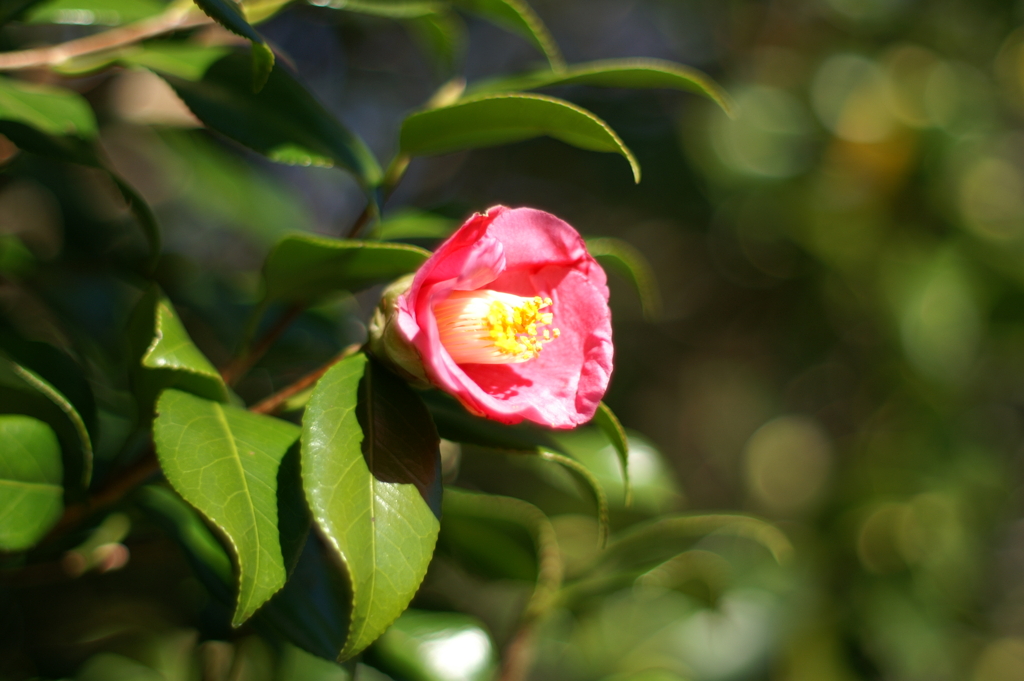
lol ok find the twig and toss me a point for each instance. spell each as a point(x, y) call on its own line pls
point(272, 403)
point(241, 364)
point(174, 19)
point(519, 654)
point(131, 477)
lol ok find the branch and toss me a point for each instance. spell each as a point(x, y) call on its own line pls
point(172, 20)
point(271, 404)
point(241, 364)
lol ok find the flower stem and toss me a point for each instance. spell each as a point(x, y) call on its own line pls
point(245, 361)
point(272, 403)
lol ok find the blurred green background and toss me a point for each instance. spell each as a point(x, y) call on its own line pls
point(840, 348)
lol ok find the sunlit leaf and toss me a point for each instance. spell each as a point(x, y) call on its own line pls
point(229, 14)
point(31, 493)
point(489, 120)
point(395, 9)
point(168, 356)
point(518, 17)
point(93, 12)
point(428, 646)
point(53, 111)
point(305, 267)
point(283, 121)
point(224, 461)
point(619, 73)
point(371, 471)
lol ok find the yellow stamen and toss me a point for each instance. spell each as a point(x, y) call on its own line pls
point(490, 327)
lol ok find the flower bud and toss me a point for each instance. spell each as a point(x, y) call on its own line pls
point(390, 346)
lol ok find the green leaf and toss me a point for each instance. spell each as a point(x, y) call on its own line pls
point(456, 424)
point(306, 267)
point(229, 14)
point(658, 540)
point(584, 473)
point(488, 120)
point(427, 646)
point(622, 258)
point(394, 9)
point(371, 471)
point(479, 530)
point(441, 34)
point(167, 354)
point(283, 121)
point(414, 224)
point(16, 376)
point(518, 17)
point(224, 461)
point(185, 60)
point(60, 124)
point(31, 495)
point(53, 111)
point(619, 73)
point(605, 419)
point(93, 12)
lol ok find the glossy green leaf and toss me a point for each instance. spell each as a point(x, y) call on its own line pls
point(169, 354)
point(428, 646)
point(488, 120)
point(53, 111)
point(394, 9)
point(31, 495)
point(414, 224)
point(619, 73)
point(230, 15)
point(622, 258)
point(93, 12)
point(456, 424)
point(480, 531)
point(371, 471)
point(517, 16)
point(283, 121)
point(20, 379)
point(224, 461)
point(605, 419)
point(185, 60)
point(306, 267)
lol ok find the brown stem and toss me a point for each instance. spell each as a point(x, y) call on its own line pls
point(518, 658)
point(361, 221)
point(241, 364)
point(171, 20)
point(113, 491)
point(272, 403)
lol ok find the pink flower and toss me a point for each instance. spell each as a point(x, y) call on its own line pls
point(510, 315)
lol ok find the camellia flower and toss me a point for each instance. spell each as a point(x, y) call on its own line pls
point(510, 315)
